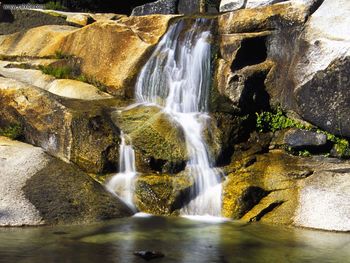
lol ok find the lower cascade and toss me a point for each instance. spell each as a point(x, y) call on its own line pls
point(177, 79)
point(123, 182)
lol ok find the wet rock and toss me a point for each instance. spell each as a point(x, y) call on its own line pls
point(161, 194)
point(154, 135)
point(303, 139)
point(39, 189)
point(158, 7)
point(149, 255)
point(80, 19)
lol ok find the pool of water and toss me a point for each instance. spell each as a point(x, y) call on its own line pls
point(180, 239)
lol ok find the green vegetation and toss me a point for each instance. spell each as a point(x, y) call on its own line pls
point(55, 6)
point(13, 131)
point(277, 120)
point(64, 72)
point(61, 55)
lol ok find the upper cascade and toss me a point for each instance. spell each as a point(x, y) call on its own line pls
point(177, 77)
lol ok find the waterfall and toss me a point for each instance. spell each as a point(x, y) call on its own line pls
point(177, 78)
point(122, 183)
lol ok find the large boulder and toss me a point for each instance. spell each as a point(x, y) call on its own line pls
point(38, 189)
point(122, 47)
point(245, 43)
point(159, 7)
point(322, 68)
point(68, 129)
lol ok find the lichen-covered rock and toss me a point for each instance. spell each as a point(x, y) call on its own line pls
point(279, 188)
point(161, 194)
point(68, 129)
point(39, 189)
point(159, 7)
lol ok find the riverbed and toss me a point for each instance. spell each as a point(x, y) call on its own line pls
point(179, 239)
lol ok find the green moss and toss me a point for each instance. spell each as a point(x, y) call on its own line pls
point(64, 72)
point(13, 131)
point(277, 120)
point(55, 6)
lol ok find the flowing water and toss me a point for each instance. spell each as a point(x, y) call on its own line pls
point(180, 239)
point(177, 77)
point(123, 183)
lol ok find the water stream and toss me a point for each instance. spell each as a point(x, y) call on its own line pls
point(123, 183)
point(177, 77)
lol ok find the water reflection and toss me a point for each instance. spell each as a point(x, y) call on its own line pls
point(181, 240)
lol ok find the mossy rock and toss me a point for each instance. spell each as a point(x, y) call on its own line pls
point(161, 194)
point(153, 134)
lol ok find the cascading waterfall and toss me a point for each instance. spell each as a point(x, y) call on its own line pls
point(177, 78)
point(122, 183)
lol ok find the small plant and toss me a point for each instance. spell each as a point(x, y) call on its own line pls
point(274, 121)
point(304, 153)
point(13, 131)
point(64, 72)
point(55, 6)
point(61, 55)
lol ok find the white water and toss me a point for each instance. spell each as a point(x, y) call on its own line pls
point(177, 78)
point(122, 183)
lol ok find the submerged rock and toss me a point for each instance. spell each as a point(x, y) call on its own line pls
point(149, 255)
point(39, 189)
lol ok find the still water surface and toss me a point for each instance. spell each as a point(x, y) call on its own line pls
point(180, 239)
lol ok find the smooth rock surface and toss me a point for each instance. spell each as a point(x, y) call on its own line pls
point(37, 189)
point(304, 139)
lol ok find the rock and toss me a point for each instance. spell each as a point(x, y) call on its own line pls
point(39, 189)
point(245, 44)
point(62, 87)
point(315, 88)
point(80, 19)
point(299, 139)
point(154, 136)
point(76, 90)
point(1, 12)
point(324, 202)
point(191, 7)
point(18, 20)
point(37, 42)
point(158, 7)
point(231, 5)
point(161, 194)
point(149, 255)
point(71, 130)
point(122, 46)
point(283, 189)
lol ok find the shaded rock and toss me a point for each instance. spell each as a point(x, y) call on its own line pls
point(154, 135)
point(315, 88)
point(39, 189)
point(149, 255)
point(161, 194)
point(68, 129)
point(158, 7)
point(191, 6)
point(12, 21)
point(304, 139)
